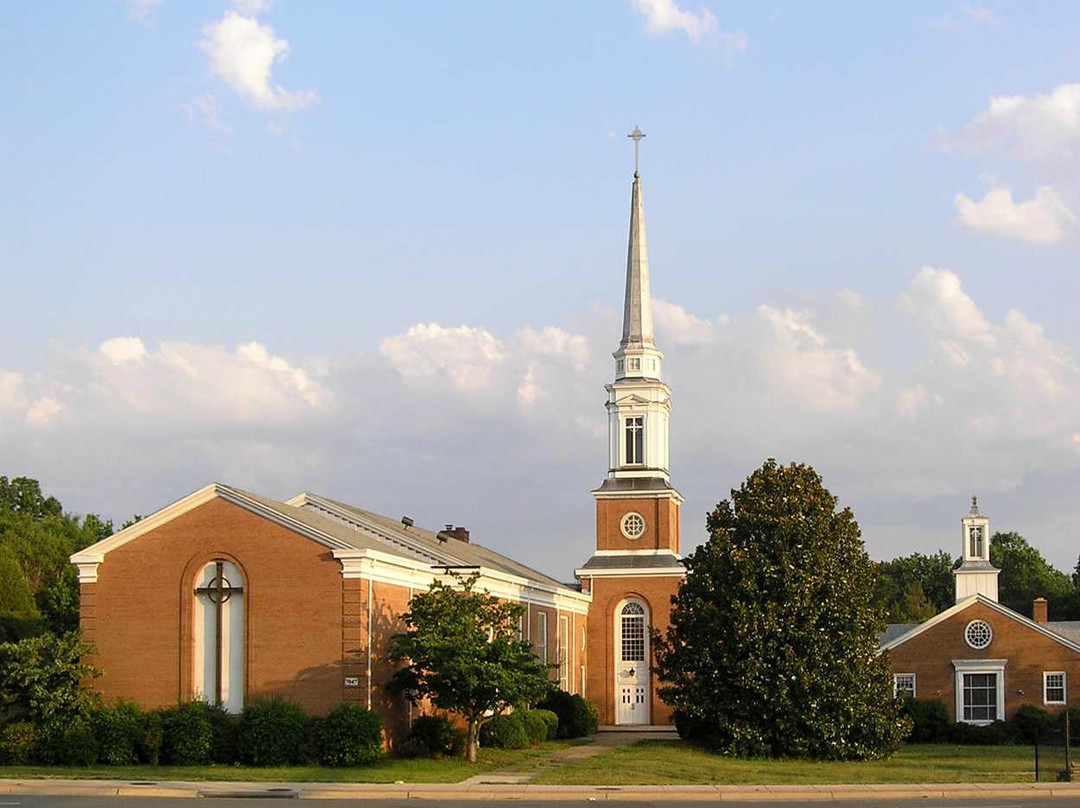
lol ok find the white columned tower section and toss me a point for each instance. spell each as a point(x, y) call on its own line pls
point(639, 403)
point(976, 575)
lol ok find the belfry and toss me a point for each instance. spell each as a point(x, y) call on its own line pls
point(636, 567)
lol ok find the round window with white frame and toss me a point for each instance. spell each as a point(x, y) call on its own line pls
point(633, 525)
point(978, 634)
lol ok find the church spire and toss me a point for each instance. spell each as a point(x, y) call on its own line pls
point(637, 355)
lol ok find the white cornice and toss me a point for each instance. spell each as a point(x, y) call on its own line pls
point(629, 573)
point(637, 553)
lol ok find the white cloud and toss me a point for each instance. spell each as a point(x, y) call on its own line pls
point(12, 392)
point(120, 350)
point(1042, 128)
point(936, 298)
point(140, 9)
point(979, 14)
point(44, 412)
point(242, 52)
point(1043, 219)
point(663, 17)
point(677, 326)
point(206, 108)
point(250, 7)
point(555, 342)
point(912, 400)
point(464, 356)
point(802, 364)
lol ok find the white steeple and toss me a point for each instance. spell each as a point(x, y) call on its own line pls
point(976, 575)
point(639, 403)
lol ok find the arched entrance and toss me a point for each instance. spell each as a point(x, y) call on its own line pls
point(632, 662)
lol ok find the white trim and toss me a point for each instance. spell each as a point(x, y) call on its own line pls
point(1064, 688)
point(629, 573)
point(391, 569)
point(895, 689)
point(90, 557)
point(985, 601)
point(969, 666)
point(661, 552)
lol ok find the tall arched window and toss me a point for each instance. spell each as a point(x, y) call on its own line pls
point(633, 633)
point(219, 635)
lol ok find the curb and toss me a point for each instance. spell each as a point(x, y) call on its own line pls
point(487, 792)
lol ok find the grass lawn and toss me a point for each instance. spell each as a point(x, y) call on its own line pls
point(387, 771)
point(675, 762)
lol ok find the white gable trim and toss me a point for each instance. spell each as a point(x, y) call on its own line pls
point(1005, 611)
point(88, 559)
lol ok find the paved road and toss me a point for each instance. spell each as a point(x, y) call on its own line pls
point(34, 801)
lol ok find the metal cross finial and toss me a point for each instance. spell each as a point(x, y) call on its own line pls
point(974, 505)
point(636, 136)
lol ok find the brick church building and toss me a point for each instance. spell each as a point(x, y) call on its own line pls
point(979, 657)
point(226, 595)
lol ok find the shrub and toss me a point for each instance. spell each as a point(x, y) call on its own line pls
point(930, 720)
point(18, 743)
point(505, 732)
point(224, 727)
point(117, 730)
point(551, 721)
point(1029, 723)
point(536, 728)
point(350, 735)
point(73, 744)
point(271, 732)
point(431, 736)
point(577, 718)
point(151, 737)
point(188, 735)
point(995, 734)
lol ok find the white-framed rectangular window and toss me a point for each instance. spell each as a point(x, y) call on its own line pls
point(564, 652)
point(541, 636)
point(520, 632)
point(980, 690)
point(1053, 687)
point(903, 685)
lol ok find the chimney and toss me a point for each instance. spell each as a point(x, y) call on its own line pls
point(460, 533)
point(1038, 610)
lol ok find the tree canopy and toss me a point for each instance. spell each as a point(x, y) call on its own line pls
point(36, 538)
point(1026, 575)
point(461, 650)
point(772, 647)
point(915, 587)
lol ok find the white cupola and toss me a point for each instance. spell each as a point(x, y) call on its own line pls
point(975, 575)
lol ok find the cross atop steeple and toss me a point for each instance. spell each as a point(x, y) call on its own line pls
point(636, 136)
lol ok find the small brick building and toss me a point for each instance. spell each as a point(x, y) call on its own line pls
point(981, 658)
point(226, 595)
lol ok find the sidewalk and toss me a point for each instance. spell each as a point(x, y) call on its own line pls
point(486, 792)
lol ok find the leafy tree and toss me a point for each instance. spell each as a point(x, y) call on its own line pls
point(461, 650)
point(773, 644)
point(36, 532)
point(914, 588)
point(41, 680)
point(1026, 575)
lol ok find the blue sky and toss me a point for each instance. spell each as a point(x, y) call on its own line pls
point(417, 215)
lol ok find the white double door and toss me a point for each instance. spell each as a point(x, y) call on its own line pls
point(632, 664)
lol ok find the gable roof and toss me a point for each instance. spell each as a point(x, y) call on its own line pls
point(895, 638)
point(334, 524)
point(416, 542)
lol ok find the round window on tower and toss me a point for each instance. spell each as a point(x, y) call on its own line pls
point(978, 634)
point(633, 525)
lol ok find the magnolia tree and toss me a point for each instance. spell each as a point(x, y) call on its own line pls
point(773, 644)
point(461, 650)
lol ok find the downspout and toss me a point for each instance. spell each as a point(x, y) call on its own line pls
point(369, 628)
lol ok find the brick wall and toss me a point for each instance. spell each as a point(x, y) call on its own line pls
point(929, 656)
